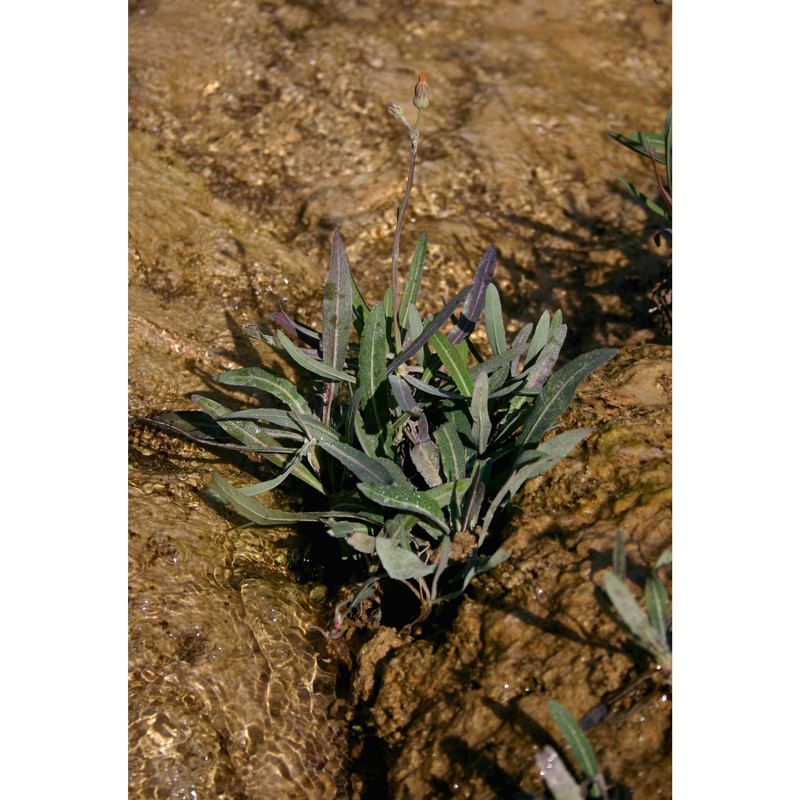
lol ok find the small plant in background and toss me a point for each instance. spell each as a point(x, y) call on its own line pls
point(552, 768)
point(651, 631)
point(413, 438)
point(657, 149)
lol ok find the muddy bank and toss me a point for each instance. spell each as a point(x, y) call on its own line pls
point(462, 711)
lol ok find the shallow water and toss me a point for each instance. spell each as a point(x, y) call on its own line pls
point(255, 129)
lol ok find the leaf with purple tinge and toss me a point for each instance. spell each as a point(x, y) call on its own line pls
point(473, 305)
point(337, 306)
point(432, 327)
point(305, 335)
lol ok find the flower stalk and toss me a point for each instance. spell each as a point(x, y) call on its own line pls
point(421, 102)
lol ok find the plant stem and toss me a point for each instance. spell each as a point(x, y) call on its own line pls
point(401, 212)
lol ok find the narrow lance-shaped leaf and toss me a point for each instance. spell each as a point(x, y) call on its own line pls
point(361, 465)
point(372, 354)
point(479, 408)
point(473, 305)
point(451, 451)
point(455, 364)
point(531, 463)
point(657, 601)
point(257, 378)
point(306, 335)
point(257, 512)
point(641, 142)
point(495, 362)
point(414, 280)
point(521, 338)
point(540, 335)
point(267, 486)
point(432, 390)
point(257, 438)
point(372, 374)
point(576, 739)
point(558, 393)
point(337, 306)
point(311, 364)
point(434, 325)
point(495, 327)
point(636, 620)
point(337, 314)
point(649, 204)
point(402, 395)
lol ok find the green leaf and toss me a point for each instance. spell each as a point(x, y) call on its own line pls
point(636, 620)
point(641, 143)
point(451, 451)
point(405, 500)
point(337, 306)
point(281, 424)
point(531, 463)
point(257, 378)
point(432, 390)
point(540, 336)
point(479, 408)
point(257, 439)
point(361, 465)
point(414, 280)
point(495, 327)
point(311, 364)
point(559, 391)
point(399, 563)
point(257, 512)
point(414, 329)
point(649, 204)
point(344, 528)
point(372, 354)
point(456, 366)
point(657, 601)
point(576, 739)
point(362, 542)
point(268, 486)
point(372, 374)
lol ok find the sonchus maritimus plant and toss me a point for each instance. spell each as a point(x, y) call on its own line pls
point(415, 440)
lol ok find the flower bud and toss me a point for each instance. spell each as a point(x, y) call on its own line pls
point(395, 110)
point(421, 94)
